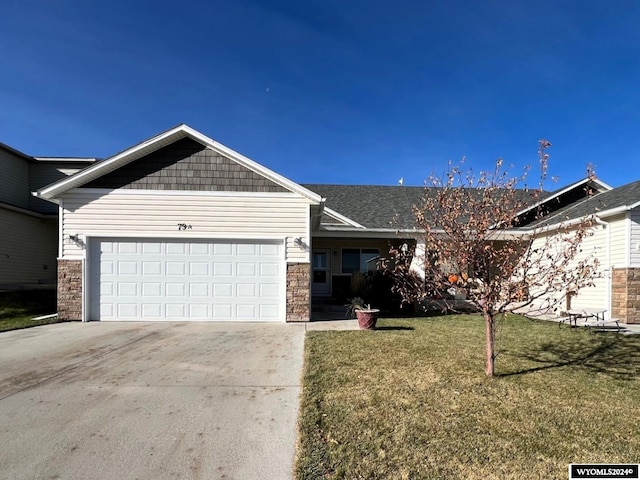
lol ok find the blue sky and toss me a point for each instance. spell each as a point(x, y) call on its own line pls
point(331, 91)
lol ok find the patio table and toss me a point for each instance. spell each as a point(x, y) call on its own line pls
point(593, 318)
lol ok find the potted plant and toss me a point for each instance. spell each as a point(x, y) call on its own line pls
point(367, 316)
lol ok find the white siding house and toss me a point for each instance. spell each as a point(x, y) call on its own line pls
point(180, 227)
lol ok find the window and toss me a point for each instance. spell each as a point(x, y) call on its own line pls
point(359, 259)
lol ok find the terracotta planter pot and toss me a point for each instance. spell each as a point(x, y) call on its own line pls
point(367, 318)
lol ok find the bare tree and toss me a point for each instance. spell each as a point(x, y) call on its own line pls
point(485, 237)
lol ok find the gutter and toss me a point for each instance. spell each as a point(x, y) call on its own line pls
point(52, 200)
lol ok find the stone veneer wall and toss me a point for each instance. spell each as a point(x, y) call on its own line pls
point(625, 294)
point(298, 292)
point(70, 290)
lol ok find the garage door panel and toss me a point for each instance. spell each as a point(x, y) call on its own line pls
point(186, 280)
point(127, 289)
point(127, 310)
point(175, 269)
point(151, 289)
point(106, 310)
point(269, 250)
point(269, 311)
point(127, 248)
point(199, 249)
point(222, 311)
point(269, 291)
point(151, 310)
point(220, 249)
point(246, 290)
point(127, 267)
point(107, 267)
point(223, 269)
point(175, 289)
point(198, 310)
point(151, 268)
point(246, 249)
point(151, 248)
point(245, 311)
point(175, 249)
point(201, 269)
point(223, 290)
point(199, 289)
point(106, 288)
point(175, 310)
point(244, 269)
point(269, 270)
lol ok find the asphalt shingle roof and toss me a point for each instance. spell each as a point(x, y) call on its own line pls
point(372, 206)
point(390, 207)
point(375, 206)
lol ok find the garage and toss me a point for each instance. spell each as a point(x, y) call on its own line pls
point(193, 280)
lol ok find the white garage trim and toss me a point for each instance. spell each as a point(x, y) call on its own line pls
point(185, 279)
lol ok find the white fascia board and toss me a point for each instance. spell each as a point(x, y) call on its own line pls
point(368, 233)
point(66, 159)
point(157, 142)
point(342, 218)
point(406, 233)
point(184, 193)
point(617, 210)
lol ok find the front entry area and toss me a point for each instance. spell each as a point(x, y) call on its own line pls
point(192, 280)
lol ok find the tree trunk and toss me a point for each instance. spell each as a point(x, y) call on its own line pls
point(490, 334)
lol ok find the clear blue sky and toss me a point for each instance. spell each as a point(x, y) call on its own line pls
point(331, 91)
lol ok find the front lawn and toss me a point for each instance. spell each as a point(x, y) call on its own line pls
point(18, 308)
point(411, 401)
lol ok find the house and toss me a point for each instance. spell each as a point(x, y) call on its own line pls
point(28, 237)
point(180, 227)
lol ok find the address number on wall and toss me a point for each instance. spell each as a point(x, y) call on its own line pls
point(184, 226)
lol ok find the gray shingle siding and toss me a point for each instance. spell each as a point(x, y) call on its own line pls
point(14, 181)
point(186, 165)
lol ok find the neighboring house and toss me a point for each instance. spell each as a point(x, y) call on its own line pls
point(180, 227)
point(29, 225)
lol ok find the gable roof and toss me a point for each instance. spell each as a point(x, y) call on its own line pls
point(168, 137)
point(603, 204)
point(566, 195)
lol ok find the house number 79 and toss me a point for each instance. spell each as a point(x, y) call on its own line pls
point(184, 226)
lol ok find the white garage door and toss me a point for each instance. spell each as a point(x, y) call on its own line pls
point(135, 279)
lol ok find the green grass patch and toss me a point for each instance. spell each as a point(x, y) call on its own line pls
point(411, 401)
point(18, 308)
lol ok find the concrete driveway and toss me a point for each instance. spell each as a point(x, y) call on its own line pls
point(149, 401)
